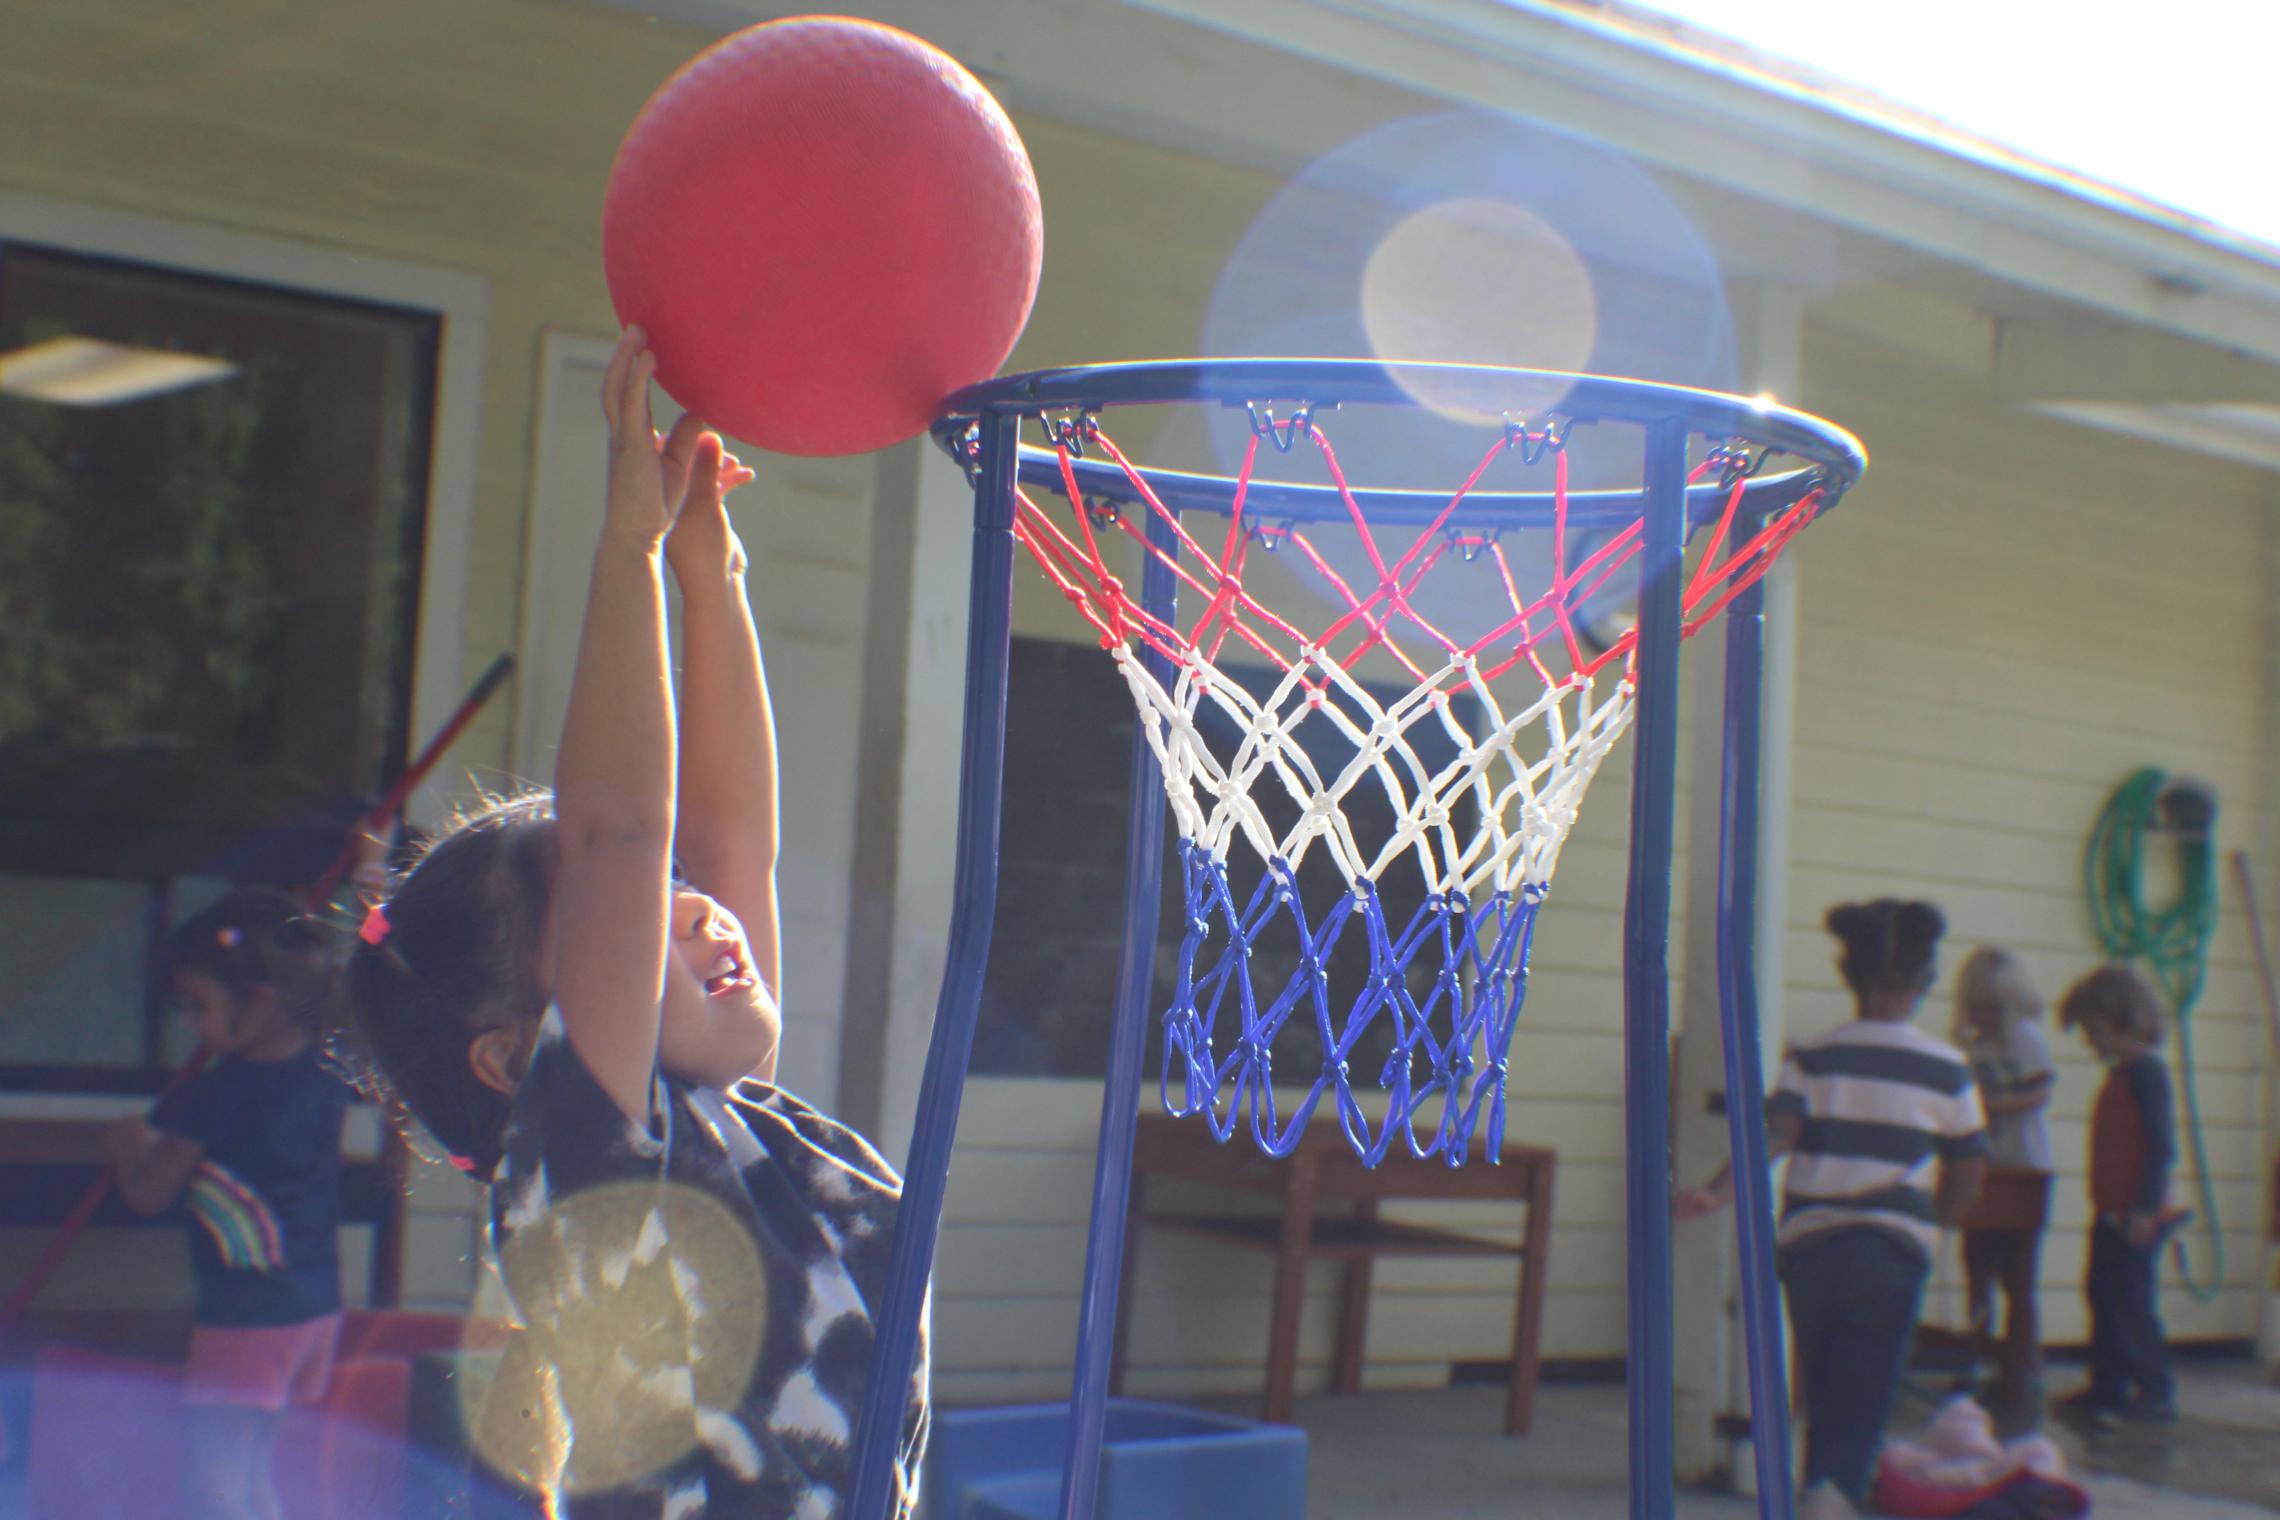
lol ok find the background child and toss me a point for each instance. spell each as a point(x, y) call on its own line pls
point(254, 1141)
point(2133, 1143)
point(1997, 1008)
point(1886, 1138)
point(692, 1253)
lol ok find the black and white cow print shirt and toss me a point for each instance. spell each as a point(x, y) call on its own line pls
point(695, 1299)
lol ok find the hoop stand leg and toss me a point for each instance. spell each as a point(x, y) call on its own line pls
point(1646, 979)
point(1120, 1098)
point(1738, 1035)
point(926, 1171)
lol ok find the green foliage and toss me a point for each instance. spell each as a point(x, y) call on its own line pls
point(144, 574)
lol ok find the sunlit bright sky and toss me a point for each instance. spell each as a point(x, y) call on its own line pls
point(2176, 102)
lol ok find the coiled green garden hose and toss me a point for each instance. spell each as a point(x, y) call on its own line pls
point(2173, 940)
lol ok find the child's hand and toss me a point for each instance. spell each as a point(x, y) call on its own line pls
point(703, 545)
point(125, 1141)
point(1694, 1203)
point(649, 476)
point(2142, 1230)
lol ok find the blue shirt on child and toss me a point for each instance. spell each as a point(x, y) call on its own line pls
point(696, 1295)
point(264, 1202)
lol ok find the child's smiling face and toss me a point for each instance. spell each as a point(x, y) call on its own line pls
point(719, 1021)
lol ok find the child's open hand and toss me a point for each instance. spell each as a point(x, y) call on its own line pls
point(649, 476)
point(125, 1141)
point(703, 545)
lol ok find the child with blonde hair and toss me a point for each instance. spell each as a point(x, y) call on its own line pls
point(1997, 1010)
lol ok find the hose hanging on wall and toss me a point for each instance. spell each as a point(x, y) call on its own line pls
point(2173, 940)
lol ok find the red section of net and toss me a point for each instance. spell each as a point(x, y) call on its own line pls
point(1381, 613)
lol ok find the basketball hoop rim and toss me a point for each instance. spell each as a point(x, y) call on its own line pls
point(1833, 459)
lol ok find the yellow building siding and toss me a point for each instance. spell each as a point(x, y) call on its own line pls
point(2006, 619)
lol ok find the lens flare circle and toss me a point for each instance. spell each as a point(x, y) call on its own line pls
point(640, 1306)
point(1480, 237)
point(1477, 280)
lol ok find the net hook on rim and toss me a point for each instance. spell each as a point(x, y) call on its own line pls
point(1070, 432)
point(1470, 544)
point(1283, 435)
point(1533, 444)
point(965, 450)
point(1272, 536)
point(1736, 461)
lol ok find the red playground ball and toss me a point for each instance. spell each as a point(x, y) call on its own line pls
point(826, 226)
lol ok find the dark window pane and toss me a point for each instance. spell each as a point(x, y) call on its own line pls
point(210, 591)
point(1050, 989)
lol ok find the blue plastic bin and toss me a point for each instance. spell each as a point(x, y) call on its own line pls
point(1157, 1462)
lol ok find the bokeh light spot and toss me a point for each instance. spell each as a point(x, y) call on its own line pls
point(641, 1304)
point(1478, 280)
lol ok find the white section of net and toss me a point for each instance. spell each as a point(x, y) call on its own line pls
point(1523, 807)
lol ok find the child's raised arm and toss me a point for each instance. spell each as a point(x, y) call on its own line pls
point(726, 828)
point(613, 781)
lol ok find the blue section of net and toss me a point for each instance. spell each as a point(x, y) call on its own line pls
point(1440, 997)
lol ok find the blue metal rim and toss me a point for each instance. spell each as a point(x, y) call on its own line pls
point(1832, 458)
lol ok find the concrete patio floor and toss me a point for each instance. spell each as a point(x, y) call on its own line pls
point(1433, 1455)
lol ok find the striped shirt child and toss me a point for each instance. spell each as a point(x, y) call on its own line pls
point(1881, 1105)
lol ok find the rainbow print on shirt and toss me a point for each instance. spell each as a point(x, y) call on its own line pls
point(243, 1231)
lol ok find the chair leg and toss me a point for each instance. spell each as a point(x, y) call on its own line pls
point(1290, 1289)
point(1528, 1311)
point(1354, 1311)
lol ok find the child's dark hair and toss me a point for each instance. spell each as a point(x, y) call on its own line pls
point(450, 954)
point(256, 937)
point(2116, 998)
point(1890, 945)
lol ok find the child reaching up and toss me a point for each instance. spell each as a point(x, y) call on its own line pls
point(2133, 1144)
point(253, 1142)
point(1886, 1138)
point(693, 1253)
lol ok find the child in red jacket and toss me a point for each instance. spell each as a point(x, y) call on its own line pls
point(2133, 1144)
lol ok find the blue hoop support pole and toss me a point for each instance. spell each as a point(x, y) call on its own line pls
point(1646, 977)
point(1120, 1100)
point(1739, 1038)
point(926, 1172)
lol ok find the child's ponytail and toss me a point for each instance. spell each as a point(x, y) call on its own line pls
point(452, 953)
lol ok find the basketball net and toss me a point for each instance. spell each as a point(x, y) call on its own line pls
point(1446, 984)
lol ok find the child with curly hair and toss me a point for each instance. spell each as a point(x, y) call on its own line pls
point(1886, 1143)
